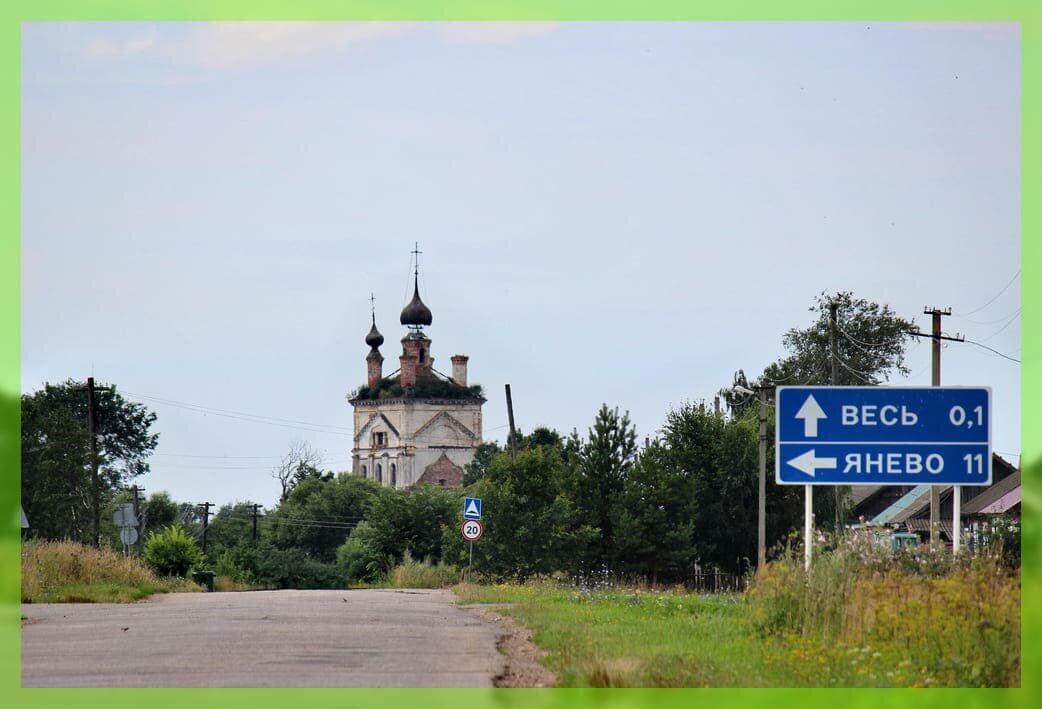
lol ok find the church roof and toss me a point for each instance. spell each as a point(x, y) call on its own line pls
point(374, 339)
point(416, 313)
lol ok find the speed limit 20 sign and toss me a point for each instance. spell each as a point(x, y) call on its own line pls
point(472, 530)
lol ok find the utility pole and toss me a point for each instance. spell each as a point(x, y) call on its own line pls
point(935, 380)
point(761, 509)
point(95, 485)
point(95, 482)
point(510, 417)
point(834, 337)
point(137, 511)
point(255, 508)
point(206, 521)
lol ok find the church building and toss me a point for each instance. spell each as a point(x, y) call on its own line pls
point(416, 425)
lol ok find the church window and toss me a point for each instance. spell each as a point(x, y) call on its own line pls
point(441, 481)
point(364, 471)
point(379, 473)
point(394, 474)
point(379, 439)
point(423, 355)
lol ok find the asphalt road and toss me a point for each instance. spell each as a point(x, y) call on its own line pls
point(359, 638)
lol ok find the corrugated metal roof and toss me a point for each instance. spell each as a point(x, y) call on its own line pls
point(904, 507)
point(1004, 503)
point(994, 493)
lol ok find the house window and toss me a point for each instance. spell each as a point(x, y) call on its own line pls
point(379, 473)
point(394, 474)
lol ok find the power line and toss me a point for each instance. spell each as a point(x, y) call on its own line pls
point(976, 310)
point(1008, 323)
point(253, 418)
point(995, 351)
point(988, 322)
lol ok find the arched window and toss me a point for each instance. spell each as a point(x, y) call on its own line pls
point(379, 473)
point(394, 474)
point(364, 471)
point(423, 355)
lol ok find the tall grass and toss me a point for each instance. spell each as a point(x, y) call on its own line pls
point(947, 621)
point(422, 574)
point(68, 572)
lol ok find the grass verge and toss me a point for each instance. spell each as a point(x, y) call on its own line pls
point(67, 572)
point(889, 628)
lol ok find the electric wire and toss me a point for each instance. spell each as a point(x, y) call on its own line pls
point(976, 310)
point(1011, 359)
point(255, 418)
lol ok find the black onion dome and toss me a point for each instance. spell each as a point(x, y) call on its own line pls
point(374, 339)
point(416, 313)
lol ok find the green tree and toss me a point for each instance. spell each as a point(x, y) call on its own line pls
point(654, 519)
point(320, 512)
point(531, 525)
point(870, 341)
point(412, 522)
point(870, 344)
point(600, 467)
point(231, 527)
point(159, 511)
point(56, 473)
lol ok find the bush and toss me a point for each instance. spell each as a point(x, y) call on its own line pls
point(416, 574)
point(360, 557)
point(171, 552)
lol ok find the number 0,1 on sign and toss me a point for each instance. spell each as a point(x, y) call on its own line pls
point(472, 530)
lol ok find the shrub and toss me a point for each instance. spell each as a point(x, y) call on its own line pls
point(360, 557)
point(171, 552)
point(417, 574)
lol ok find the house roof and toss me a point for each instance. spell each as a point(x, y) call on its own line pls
point(998, 498)
point(905, 507)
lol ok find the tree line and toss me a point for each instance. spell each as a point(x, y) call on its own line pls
point(599, 504)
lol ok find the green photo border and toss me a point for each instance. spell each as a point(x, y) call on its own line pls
point(1027, 12)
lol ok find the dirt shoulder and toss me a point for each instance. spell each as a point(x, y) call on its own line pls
point(523, 668)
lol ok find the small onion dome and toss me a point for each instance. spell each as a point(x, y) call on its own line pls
point(374, 339)
point(416, 313)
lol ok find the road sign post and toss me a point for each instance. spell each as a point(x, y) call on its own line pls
point(883, 436)
point(472, 530)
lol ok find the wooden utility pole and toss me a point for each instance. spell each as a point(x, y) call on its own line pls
point(935, 380)
point(761, 504)
point(834, 337)
point(206, 521)
point(95, 484)
point(510, 417)
point(255, 508)
point(137, 511)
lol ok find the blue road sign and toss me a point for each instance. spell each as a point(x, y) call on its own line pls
point(883, 436)
point(472, 508)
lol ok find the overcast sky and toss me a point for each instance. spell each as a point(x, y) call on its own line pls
point(607, 212)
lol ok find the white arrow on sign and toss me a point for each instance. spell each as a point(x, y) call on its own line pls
point(810, 412)
point(807, 464)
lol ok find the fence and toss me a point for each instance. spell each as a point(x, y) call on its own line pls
point(717, 582)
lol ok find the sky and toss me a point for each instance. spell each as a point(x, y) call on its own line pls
point(607, 213)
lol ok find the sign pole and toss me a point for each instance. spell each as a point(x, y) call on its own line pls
point(808, 518)
point(956, 517)
point(471, 565)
